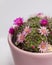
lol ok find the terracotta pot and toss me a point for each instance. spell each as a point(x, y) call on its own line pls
point(22, 57)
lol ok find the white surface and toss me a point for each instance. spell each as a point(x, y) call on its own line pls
point(5, 53)
point(10, 9)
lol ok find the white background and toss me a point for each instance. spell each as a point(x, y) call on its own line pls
point(9, 10)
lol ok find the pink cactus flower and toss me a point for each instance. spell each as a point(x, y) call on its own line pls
point(43, 22)
point(33, 47)
point(18, 21)
point(15, 27)
point(11, 31)
point(43, 31)
point(40, 15)
point(26, 31)
point(51, 32)
point(43, 47)
point(20, 38)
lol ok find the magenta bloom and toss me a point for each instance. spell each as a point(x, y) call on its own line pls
point(44, 22)
point(18, 21)
point(11, 30)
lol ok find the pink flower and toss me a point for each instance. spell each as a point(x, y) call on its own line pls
point(15, 27)
point(20, 38)
point(43, 47)
point(43, 31)
point(18, 21)
point(33, 47)
point(11, 30)
point(40, 15)
point(26, 31)
point(51, 32)
point(43, 22)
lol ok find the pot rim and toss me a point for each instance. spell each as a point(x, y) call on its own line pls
point(25, 52)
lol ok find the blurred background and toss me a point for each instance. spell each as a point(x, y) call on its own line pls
point(9, 10)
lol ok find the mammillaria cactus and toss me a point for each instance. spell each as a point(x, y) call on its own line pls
point(34, 35)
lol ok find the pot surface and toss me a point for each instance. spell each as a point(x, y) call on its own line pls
point(22, 57)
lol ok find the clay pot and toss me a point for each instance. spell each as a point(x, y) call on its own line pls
point(22, 57)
